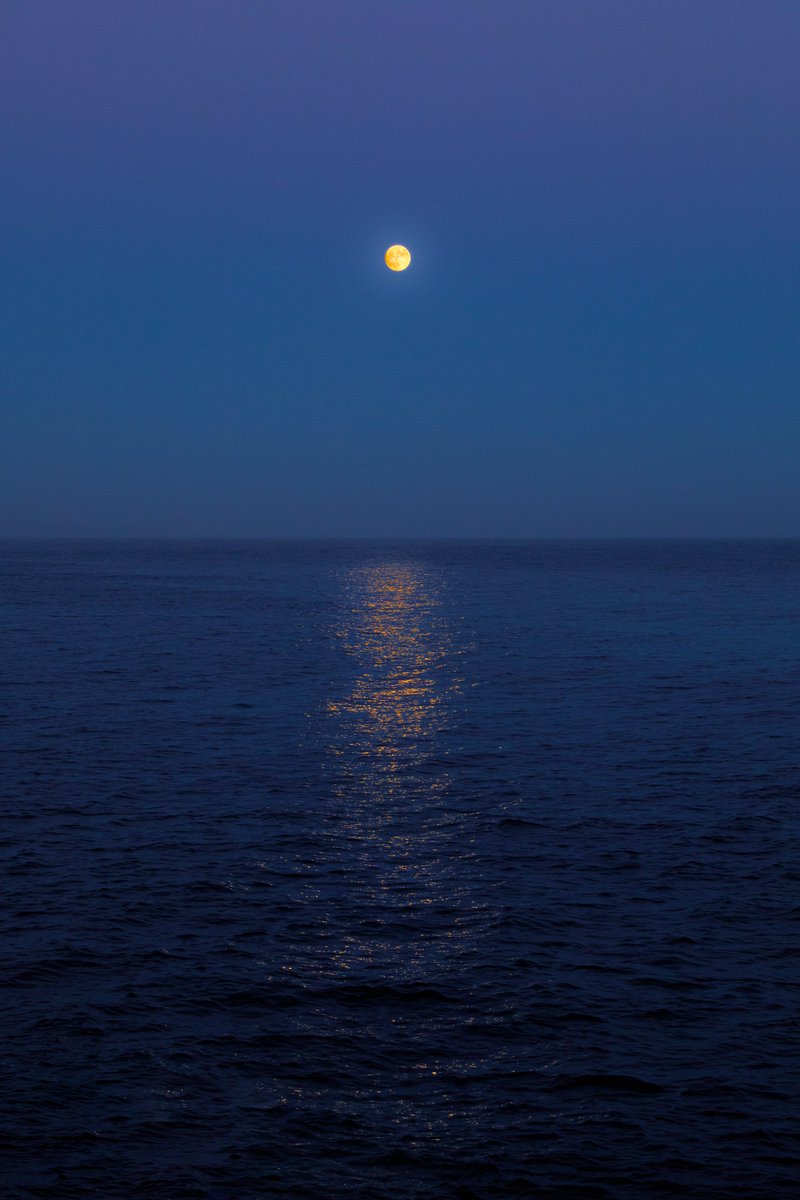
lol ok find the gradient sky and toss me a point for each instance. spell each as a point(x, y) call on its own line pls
point(598, 335)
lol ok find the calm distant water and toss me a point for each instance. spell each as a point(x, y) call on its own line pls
point(400, 870)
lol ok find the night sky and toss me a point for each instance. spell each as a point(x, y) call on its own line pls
point(598, 334)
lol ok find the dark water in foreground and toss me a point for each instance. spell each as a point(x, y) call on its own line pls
point(400, 870)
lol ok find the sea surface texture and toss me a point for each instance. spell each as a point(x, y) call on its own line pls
point(455, 871)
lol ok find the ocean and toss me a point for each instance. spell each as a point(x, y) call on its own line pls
point(411, 870)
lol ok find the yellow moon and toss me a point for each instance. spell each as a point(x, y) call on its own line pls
point(397, 258)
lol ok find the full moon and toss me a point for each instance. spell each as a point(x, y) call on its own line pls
point(397, 258)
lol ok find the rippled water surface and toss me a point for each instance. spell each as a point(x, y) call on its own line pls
point(400, 870)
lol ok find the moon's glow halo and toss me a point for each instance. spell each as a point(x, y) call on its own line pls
point(397, 258)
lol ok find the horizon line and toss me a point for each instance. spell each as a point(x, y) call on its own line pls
point(433, 537)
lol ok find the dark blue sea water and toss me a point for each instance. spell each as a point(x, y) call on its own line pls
point(400, 870)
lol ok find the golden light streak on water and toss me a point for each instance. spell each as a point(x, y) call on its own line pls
point(392, 792)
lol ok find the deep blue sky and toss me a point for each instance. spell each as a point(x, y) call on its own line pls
point(598, 334)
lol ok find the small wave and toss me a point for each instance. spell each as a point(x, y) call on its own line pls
point(384, 993)
point(630, 1085)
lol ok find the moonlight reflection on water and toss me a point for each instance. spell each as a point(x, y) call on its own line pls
point(391, 790)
